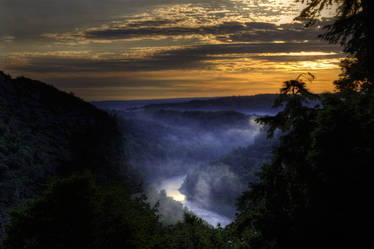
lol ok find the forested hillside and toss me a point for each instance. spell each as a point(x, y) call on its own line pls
point(165, 143)
point(260, 103)
point(45, 132)
point(218, 184)
point(315, 192)
point(67, 183)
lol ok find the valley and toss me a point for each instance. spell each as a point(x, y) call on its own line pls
point(201, 152)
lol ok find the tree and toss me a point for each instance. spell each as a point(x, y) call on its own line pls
point(352, 29)
point(270, 210)
point(293, 97)
point(76, 212)
point(315, 192)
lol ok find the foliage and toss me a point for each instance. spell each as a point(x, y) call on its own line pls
point(315, 191)
point(169, 210)
point(192, 233)
point(167, 142)
point(352, 30)
point(218, 184)
point(45, 132)
point(76, 212)
point(309, 193)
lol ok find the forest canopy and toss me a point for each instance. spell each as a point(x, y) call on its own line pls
point(314, 193)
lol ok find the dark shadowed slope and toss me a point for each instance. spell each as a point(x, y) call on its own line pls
point(45, 132)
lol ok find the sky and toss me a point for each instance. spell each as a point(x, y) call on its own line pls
point(147, 49)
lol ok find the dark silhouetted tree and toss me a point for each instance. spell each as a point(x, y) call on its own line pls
point(315, 192)
point(351, 29)
point(76, 212)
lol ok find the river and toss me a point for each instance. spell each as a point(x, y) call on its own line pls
point(171, 187)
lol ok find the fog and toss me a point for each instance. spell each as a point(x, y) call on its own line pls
point(191, 160)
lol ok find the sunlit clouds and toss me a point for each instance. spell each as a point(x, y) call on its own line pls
point(166, 49)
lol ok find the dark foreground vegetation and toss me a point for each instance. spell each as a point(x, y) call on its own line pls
point(63, 172)
point(315, 191)
point(45, 132)
point(65, 182)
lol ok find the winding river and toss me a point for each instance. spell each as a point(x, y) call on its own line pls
point(171, 187)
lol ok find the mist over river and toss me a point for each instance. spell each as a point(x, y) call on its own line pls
point(172, 185)
point(194, 156)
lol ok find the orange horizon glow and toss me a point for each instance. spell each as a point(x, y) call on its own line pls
point(201, 84)
point(175, 50)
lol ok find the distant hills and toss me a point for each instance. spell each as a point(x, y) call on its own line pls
point(261, 103)
point(255, 103)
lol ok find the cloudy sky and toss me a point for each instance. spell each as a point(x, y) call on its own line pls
point(143, 49)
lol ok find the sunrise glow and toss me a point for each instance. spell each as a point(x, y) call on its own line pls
point(173, 49)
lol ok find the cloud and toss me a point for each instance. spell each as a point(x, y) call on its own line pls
point(208, 32)
point(131, 31)
point(223, 32)
point(183, 58)
point(28, 19)
point(115, 43)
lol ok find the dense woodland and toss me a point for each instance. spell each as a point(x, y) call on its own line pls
point(227, 178)
point(65, 183)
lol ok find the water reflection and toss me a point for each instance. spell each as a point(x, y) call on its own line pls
point(171, 187)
